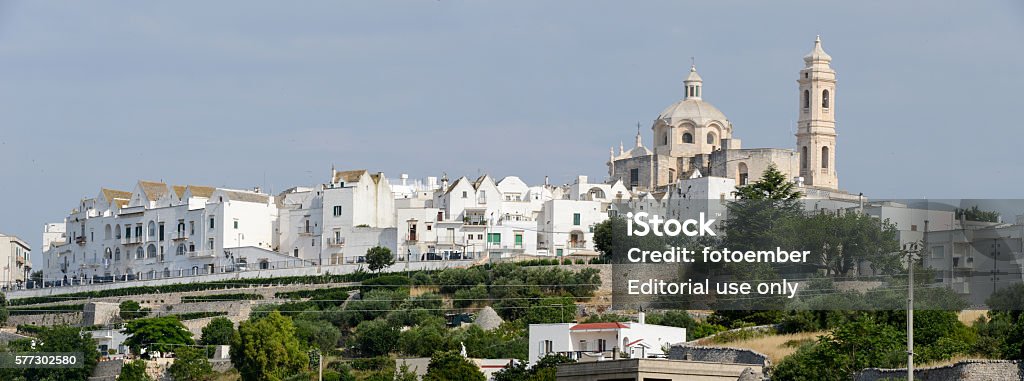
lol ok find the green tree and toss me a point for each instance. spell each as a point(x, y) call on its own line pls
point(376, 337)
point(552, 310)
point(134, 371)
point(425, 338)
point(759, 206)
point(379, 258)
point(164, 334)
point(3, 309)
point(190, 364)
point(266, 349)
point(451, 366)
point(131, 309)
point(318, 334)
point(65, 339)
point(217, 332)
point(405, 374)
point(975, 214)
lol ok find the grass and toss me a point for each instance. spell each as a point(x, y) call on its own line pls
point(776, 347)
point(951, 361)
point(969, 316)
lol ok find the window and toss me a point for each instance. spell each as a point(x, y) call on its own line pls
point(824, 98)
point(211, 222)
point(688, 138)
point(807, 98)
point(803, 158)
point(602, 345)
point(138, 231)
point(117, 254)
point(151, 251)
point(191, 227)
point(494, 238)
point(664, 139)
point(181, 249)
point(295, 252)
point(634, 177)
point(152, 229)
point(209, 244)
point(236, 224)
point(337, 210)
point(139, 253)
point(711, 138)
point(519, 239)
point(161, 231)
point(743, 175)
point(583, 345)
point(576, 219)
point(824, 157)
point(464, 194)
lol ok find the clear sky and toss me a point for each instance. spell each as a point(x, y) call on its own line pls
point(244, 93)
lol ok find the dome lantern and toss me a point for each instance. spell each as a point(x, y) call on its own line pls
point(693, 84)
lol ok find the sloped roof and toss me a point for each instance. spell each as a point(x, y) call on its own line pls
point(487, 319)
point(590, 326)
point(479, 181)
point(348, 176)
point(201, 191)
point(456, 182)
point(247, 196)
point(152, 189)
point(113, 194)
point(179, 190)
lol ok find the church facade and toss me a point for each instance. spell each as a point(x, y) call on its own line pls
point(692, 138)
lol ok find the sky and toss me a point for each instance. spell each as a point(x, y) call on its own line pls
point(251, 93)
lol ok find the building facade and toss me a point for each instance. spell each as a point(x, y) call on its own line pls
point(693, 135)
point(15, 254)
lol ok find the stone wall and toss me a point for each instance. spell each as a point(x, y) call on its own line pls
point(717, 354)
point(68, 318)
point(969, 370)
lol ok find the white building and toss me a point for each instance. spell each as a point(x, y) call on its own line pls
point(15, 255)
point(337, 222)
point(601, 341)
point(160, 231)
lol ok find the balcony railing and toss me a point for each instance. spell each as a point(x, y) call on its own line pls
point(201, 254)
point(80, 240)
point(305, 230)
point(178, 236)
point(336, 241)
point(131, 240)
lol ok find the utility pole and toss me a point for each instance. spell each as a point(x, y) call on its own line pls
point(910, 249)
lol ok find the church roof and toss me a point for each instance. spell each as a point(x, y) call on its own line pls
point(695, 110)
point(817, 54)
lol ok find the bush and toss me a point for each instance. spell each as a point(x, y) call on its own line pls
point(373, 363)
point(220, 298)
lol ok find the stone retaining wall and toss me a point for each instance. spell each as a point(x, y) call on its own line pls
point(717, 354)
point(969, 370)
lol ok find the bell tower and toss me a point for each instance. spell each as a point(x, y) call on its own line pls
point(816, 125)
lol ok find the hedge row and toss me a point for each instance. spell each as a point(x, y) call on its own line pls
point(199, 315)
point(187, 287)
point(220, 298)
point(42, 310)
point(314, 294)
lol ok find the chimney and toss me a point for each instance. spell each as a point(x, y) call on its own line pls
point(641, 317)
point(404, 177)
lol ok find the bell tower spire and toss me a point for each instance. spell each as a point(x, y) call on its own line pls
point(816, 125)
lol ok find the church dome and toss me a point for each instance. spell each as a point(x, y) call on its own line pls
point(692, 107)
point(696, 110)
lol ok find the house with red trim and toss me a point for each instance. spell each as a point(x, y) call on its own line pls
point(602, 341)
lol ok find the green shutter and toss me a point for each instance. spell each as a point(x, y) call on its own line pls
point(575, 218)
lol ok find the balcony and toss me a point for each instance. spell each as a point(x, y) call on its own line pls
point(80, 240)
point(179, 236)
point(961, 287)
point(201, 254)
point(578, 245)
point(131, 240)
point(306, 230)
point(336, 242)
